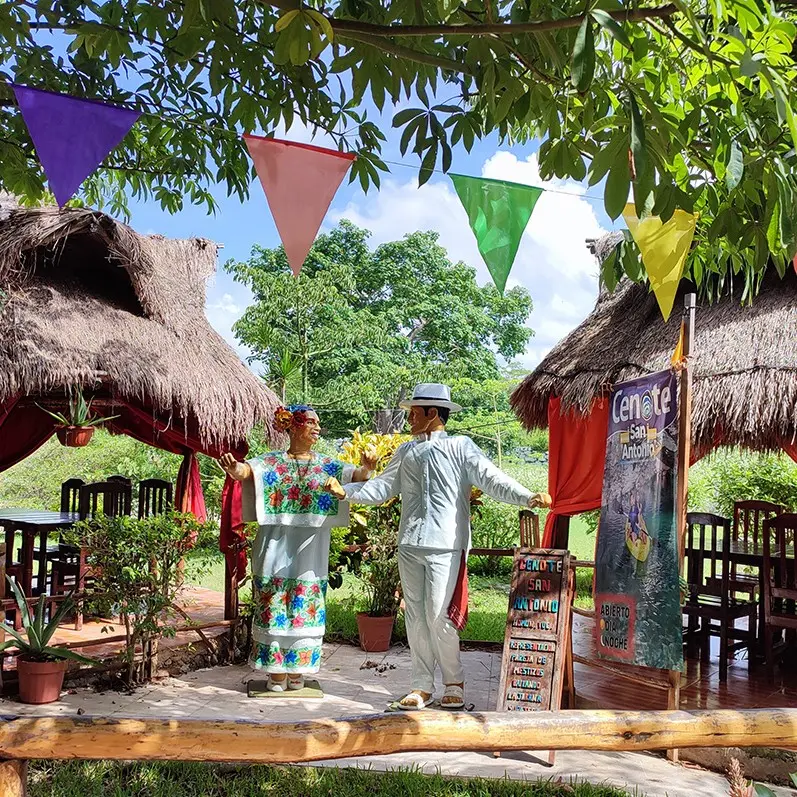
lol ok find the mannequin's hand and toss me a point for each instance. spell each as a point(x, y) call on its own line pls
point(236, 470)
point(332, 486)
point(368, 459)
point(540, 500)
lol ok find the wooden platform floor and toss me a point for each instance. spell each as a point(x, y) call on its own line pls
point(700, 684)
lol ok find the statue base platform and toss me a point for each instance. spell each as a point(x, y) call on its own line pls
point(312, 690)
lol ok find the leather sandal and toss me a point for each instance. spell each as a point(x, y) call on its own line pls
point(414, 701)
point(455, 695)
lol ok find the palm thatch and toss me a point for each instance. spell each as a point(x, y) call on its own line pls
point(744, 363)
point(85, 300)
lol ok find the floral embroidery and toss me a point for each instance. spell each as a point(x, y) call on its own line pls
point(302, 658)
point(289, 603)
point(288, 490)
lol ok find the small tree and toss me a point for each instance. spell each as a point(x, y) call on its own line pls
point(137, 564)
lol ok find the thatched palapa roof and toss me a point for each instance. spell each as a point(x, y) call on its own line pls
point(88, 301)
point(744, 360)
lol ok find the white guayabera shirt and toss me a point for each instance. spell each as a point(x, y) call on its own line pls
point(434, 475)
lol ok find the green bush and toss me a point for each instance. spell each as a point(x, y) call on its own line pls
point(730, 475)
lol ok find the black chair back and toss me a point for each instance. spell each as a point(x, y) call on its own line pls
point(154, 497)
point(70, 495)
point(111, 498)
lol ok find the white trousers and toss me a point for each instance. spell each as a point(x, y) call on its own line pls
point(428, 578)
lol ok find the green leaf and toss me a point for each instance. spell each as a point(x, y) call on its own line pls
point(793, 778)
point(322, 22)
point(427, 165)
point(760, 790)
point(402, 117)
point(71, 655)
point(611, 26)
point(735, 168)
point(618, 184)
point(286, 20)
point(609, 269)
point(582, 69)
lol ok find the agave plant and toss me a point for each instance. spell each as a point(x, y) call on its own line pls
point(35, 643)
point(79, 413)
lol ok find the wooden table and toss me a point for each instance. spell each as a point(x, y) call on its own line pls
point(32, 522)
point(748, 554)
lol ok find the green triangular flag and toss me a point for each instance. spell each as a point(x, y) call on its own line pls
point(498, 213)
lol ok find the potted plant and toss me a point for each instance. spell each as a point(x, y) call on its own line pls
point(377, 527)
point(76, 428)
point(379, 574)
point(40, 666)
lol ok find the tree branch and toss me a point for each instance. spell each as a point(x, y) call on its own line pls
point(401, 51)
point(481, 29)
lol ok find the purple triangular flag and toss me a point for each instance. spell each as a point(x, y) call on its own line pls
point(72, 136)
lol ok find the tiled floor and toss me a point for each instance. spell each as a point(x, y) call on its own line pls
point(351, 689)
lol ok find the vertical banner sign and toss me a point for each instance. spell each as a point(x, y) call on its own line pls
point(637, 603)
point(536, 639)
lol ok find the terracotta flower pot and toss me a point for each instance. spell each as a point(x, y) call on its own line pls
point(375, 632)
point(74, 436)
point(40, 681)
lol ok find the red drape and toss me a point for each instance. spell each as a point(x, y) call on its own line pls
point(791, 448)
point(24, 428)
point(231, 534)
point(576, 454)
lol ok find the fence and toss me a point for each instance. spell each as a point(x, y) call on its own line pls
point(23, 738)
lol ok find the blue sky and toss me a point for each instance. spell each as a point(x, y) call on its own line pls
point(552, 262)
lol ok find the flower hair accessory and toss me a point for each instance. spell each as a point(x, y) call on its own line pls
point(292, 417)
point(283, 419)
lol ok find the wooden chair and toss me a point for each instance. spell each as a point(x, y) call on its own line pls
point(112, 499)
point(780, 584)
point(711, 608)
point(154, 497)
point(70, 502)
point(748, 529)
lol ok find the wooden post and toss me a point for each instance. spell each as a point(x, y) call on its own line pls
point(682, 488)
point(13, 778)
point(685, 425)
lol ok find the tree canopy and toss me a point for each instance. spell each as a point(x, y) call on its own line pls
point(688, 103)
point(360, 326)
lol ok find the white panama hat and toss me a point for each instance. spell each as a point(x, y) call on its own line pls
point(431, 394)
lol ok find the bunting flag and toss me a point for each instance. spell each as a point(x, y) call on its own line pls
point(677, 358)
point(72, 136)
point(299, 181)
point(664, 248)
point(498, 213)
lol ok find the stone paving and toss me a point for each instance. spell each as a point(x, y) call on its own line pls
point(351, 689)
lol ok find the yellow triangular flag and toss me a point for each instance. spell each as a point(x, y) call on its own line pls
point(678, 355)
point(664, 248)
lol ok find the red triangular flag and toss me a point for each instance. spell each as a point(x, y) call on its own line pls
point(300, 181)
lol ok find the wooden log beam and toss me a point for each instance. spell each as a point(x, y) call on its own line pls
point(13, 778)
point(379, 734)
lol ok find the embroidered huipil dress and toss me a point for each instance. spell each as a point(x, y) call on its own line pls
point(290, 558)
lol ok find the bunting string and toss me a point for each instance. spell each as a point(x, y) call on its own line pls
point(72, 137)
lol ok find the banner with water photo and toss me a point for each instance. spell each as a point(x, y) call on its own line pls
point(637, 598)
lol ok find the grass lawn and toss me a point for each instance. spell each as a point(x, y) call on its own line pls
point(489, 595)
point(112, 779)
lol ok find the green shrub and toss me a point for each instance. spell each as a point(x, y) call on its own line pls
point(730, 475)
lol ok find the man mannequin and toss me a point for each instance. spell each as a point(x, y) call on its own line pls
point(434, 474)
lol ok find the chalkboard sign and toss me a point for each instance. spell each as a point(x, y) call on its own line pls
point(537, 629)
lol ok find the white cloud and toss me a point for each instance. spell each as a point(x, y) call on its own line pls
point(552, 262)
point(222, 310)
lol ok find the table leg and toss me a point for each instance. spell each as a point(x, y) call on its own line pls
point(28, 541)
point(41, 572)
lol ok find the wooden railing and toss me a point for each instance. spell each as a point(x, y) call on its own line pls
point(23, 738)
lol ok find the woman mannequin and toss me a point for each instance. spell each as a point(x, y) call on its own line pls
point(290, 555)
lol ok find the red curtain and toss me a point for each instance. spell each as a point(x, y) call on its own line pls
point(576, 455)
point(24, 428)
point(791, 448)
